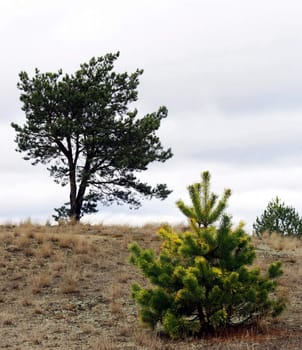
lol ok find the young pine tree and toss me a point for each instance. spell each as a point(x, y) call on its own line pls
point(202, 280)
point(279, 218)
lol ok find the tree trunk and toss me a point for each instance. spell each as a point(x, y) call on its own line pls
point(77, 197)
point(78, 206)
point(73, 192)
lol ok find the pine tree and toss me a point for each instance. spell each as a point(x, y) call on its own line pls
point(202, 279)
point(279, 218)
point(84, 128)
point(203, 212)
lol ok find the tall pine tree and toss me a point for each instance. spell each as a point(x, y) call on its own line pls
point(84, 128)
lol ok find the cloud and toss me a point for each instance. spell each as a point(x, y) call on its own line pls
point(229, 73)
point(29, 197)
point(248, 139)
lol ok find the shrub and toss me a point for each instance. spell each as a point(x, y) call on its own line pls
point(279, 218)
point(201, 279)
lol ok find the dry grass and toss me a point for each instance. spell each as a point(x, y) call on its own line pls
point(40, 281)
point(26, 301)
point(147, 340)
point(278, 242)
point(104, 344)
point(45, 250)
point(22, 242)
point(7, 319)
point(69, 283)
point(81, 246)
point(116, 291)
point(68, 287)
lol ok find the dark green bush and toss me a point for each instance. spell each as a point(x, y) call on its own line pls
point(202, 280)
point(279, 218)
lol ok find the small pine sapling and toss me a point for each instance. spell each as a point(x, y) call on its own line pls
point(279, 218)
point(202, 280)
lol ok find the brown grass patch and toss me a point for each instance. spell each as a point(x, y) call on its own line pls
point(80, 277)
point(149, 341)
point(278, 242)
point(42, 280)
point(22, 241)
point(39, 237)
point(66, 241)
point(7, 319)
point(26, 301)
point(37, 310)
point(45, 250)
point(116, 308)
point(116, 291)
point(69, 283)
point(104, 344)
point(81, 246)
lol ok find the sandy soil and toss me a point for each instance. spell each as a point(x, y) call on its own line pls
point(69, 288)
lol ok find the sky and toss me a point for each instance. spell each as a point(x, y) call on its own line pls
point(229, 73)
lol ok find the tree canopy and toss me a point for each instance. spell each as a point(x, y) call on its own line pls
point(80, 125)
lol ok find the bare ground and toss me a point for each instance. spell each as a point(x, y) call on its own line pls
point(68, 287)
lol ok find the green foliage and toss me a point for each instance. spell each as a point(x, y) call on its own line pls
point(81, 127)
point(279, 218)
point(202, 280)
point(205, 210)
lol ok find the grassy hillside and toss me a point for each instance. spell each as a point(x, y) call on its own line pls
point(68, 287)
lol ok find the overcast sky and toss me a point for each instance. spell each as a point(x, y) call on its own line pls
point(229, 72)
